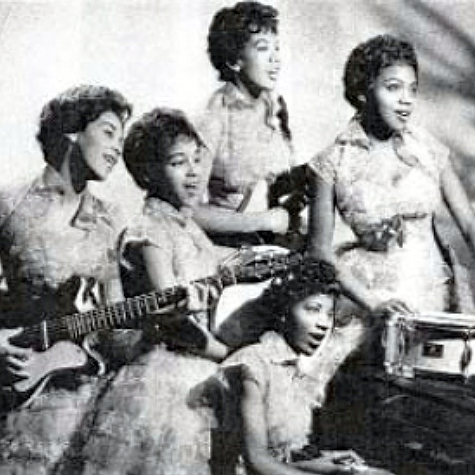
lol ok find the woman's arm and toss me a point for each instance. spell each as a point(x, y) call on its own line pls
point(160, 273)
point(459, 204)
point(320, 239)
point(256, 453)
point(320, 245)
point(223, 221)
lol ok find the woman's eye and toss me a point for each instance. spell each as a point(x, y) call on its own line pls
point(109, 133)
point(313, 308)
point(392, 87)
point(176, 163)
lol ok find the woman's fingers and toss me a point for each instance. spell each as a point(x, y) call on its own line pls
point(393, 306)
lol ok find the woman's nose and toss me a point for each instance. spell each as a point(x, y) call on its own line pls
point(193, 167)
point(407, 96)
point(275, 56)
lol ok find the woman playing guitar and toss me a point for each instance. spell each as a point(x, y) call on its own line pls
point(57, 244)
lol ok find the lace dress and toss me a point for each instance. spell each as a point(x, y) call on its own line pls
point(143, 425)
point(42, 254)
point(389, 200)
point(246, 145)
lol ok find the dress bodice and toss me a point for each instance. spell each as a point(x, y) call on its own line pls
point(246, 144)
point(42, 249)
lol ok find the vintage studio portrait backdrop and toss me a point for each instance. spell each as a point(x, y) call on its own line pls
point(154, 51)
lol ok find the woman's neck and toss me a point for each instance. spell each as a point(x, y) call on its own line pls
point(248, 88)
point(374, 126)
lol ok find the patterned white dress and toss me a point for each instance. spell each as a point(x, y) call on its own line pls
point(389, 200)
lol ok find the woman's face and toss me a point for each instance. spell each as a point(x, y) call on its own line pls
point(101, 144)
point(260, 62)
point(183, 173)
point(310, 320)
point(393, 96)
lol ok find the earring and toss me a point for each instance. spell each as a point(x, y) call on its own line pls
point(73, 136)
point(361, 98)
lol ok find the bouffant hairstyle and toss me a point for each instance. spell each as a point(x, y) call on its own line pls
point(368, 59)
point(71, 112)
point(313, 277)
point(231, 29)
point(148, 143)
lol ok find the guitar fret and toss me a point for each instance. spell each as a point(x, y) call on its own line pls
point(77, 320)
point(85, 320)
point(121, 313)
point(151, 304)
point(77, 325)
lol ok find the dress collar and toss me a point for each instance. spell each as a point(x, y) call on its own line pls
point(90, 209)
point(281, 352)
point(156, 206)
point(234, 97)
point(356, 135)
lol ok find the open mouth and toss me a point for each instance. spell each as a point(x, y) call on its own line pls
point(110, 159)
point(403, 115)
point(191, 188)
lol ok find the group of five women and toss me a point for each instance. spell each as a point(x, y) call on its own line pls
point(211, 188)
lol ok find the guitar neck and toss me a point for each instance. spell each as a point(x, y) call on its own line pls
point(134, 310)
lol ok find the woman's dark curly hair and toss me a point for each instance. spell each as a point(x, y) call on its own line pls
point(71, 112)
point(231, 29)
point(148, 143)
point(368, 59)
point(313, 277)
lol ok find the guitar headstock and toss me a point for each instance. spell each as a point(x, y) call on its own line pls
point(260, 266)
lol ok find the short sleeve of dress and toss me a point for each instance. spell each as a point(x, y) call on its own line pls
point(438, 157)
point(9, 199)
point(210, 124)
point(324, 164)
point(252, 367)
point(143, 231)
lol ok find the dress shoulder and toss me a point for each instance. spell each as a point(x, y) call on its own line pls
point(210, 123)
point(439, 152)
point(10, 198)
point(145, 230)
point(251, 363)
point(325, 163)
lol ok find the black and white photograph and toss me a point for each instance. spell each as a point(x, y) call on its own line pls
point(237, 237)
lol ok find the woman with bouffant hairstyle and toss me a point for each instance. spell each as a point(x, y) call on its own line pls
point(246, 129)
point(389, 179)
point(266, 395)
point(57, 249)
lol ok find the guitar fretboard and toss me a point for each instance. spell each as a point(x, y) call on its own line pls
point(134, 309)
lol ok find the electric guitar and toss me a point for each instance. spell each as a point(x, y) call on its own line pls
point(57, 343)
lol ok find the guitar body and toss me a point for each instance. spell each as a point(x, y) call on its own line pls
point(53, 342)
point(40, 367)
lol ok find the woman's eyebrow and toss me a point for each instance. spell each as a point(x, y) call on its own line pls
point(109, 124)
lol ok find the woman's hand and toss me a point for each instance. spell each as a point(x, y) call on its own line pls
point(13, 359)
point(202, 296)
point(340, 462)
point(391, 307)
point(335, 462)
